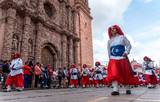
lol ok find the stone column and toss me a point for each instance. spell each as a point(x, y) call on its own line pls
point(9, 30)
point(2, 30)
point(64, 51)
point(63, 15)
point(26, 36)
point(38, 43)
point(69, 18)
point(76, 22)
point(75, 52)
point(71, 61)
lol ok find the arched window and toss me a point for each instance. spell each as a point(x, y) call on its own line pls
point(49, 9)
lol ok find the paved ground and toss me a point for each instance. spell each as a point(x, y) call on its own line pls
point(82, 95)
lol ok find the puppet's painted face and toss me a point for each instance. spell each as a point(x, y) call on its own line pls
point(97, 64)
point(84, 66)
point(16, 55)
point(113, 31)
point(12, 55)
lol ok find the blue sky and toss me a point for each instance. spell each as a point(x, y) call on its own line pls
point(139, 20)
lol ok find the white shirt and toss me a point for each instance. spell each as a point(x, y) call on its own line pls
point(118, 40)
point(85, 71)
point(91, 75)
point(98, 76)
point(74, 73)
point(148, 67)
point(16, 67)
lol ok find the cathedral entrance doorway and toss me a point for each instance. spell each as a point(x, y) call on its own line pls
point(49, 56)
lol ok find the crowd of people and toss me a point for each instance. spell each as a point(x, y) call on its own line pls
point(13, 74)
point(41, 76)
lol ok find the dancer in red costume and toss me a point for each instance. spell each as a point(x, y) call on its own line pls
point(119, 68)
point(15, 77)
point(98, 74)
point(73, 76)
point(85, 76)
point(150, 77)
point(91, 77)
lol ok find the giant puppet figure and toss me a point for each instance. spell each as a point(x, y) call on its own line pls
point(91, 77)
point(150, 77)
point(98, 74)
point(119, 68)
point(15, 76)
point(74, 76)
point(85, 76)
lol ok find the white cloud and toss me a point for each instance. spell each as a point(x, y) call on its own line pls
point(149, 35)
point(107, 12)
point(100, 49)
point(147, 44)
point(147, 1)
point(108, 9)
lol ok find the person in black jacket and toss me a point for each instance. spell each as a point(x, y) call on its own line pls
point(5, 71)
point(61, 75)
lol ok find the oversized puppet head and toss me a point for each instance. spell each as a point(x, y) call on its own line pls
point(12, 55)
point(147, 58)
point(15, 55)
point(49, 66)
point(91, 69)
point(97, 64)
point(115, 29)
point(84, 66)
point(73, 66)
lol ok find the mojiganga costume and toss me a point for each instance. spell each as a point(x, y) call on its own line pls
point(98, 74)
point(119, 68)
point(15, 76)
point(74, 76)
point(150, 76)
point(85, 76)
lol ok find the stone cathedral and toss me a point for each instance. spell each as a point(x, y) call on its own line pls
point(56, 32)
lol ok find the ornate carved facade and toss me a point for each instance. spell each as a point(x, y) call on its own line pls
point(56, 32)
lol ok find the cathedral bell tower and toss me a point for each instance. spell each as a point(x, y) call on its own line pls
point(84, 31)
